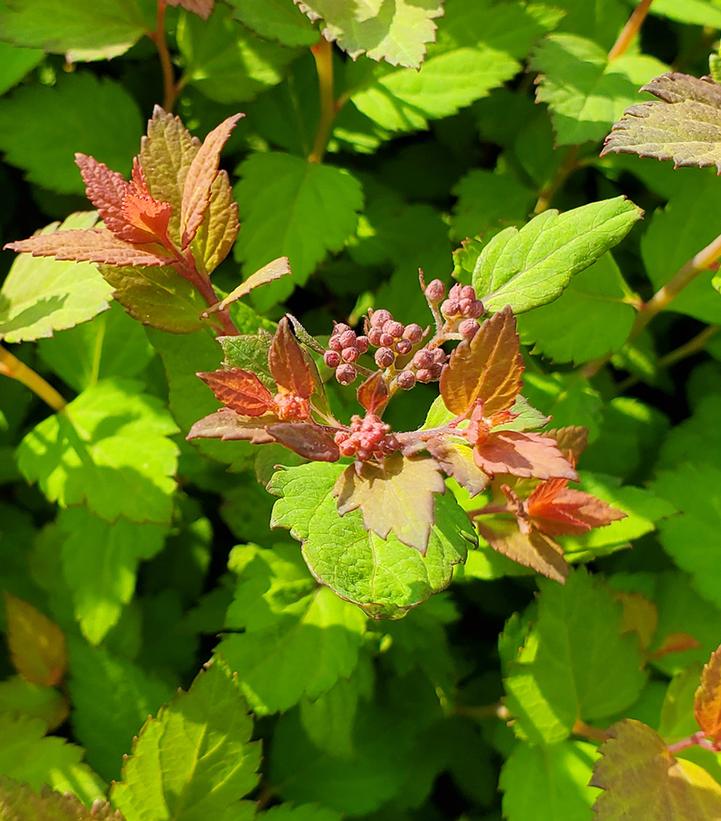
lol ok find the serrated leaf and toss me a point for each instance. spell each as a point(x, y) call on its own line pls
point(385, 578)
point(20, 697)
point(202, 8)
point(100, 561)
point(277, 20)
point(591, 318)
point(18, 802)
point(489, 368)
point(576, 662)
point(396, 497)
point(15, 63)
point(37, 644)
point(302, 629)
point(288, 364)
point(41, 127)
point(109, 448)
point(290, 207)
point(111, 698)
point(240, 390)
point(105, 30)
point(639, 776)
point(40, 296)
point(531, 267)
point(30, 757)
point(275, 269)
point(548, 782)
point(584, 90)
point(226, 61)
point(707, 704)
point(478, 48)
point(195, 759)
point(533, 549)
point(682, 126)
point(397, 33)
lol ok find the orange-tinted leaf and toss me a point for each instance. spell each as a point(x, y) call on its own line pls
point(106, 189)
point(202, 8)
point(456, 460)
point(557, 510)
point(642, 780)
point(229, 426)
point(396, 496)
point(675, 643)
point(489, 368)
point(533, 549)
point(572, 441)
point(268, 273)
point(200, 177)
point(288, 363)
point(37, 645)
point(640, 616)
point(707, 705)
point(92, 245)
point(522, 454)
point(219, 229)
point(373, 393)
point(307, 440)
point(240, 391)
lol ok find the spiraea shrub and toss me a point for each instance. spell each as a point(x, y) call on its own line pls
point(360, 389)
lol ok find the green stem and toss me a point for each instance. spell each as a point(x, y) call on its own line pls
point(323, 56)
point(12, 367)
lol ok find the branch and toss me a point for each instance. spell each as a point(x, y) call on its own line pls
point(697, 739)
point(170, 88)
point(329, 107)
point(12, 367)
point(630, 30)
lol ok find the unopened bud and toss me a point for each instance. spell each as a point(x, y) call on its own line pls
point(395, 329)
point(468, 328)
point(435, 291)
point(404, 346)
point(331, 359)
point(424, 375)
point(349, 354)
point(406, 380)
point(346, 374)
point(361, 344)
point(347, 339)
point(413, 333)
point(450, 308)
point(380, 317)
point(384, 357)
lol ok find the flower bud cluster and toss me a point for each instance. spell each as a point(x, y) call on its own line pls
point(345, 346)
point(391, 338)
point(462, 309)
point(368, 438)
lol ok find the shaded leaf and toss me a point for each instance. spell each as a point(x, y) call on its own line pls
point(276, 20)
point(308, 440)
point(19, 696)
point(37, 645)
point(533, 549)
point(18, 802)
point(226, 424)
point(456, 459)
point(396, 496)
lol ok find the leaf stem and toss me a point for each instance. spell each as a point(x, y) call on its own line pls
point(580, 728)
point(565, 169)
point(170, 88)
point(329, 107)
point(12, 367)
point(483, 711)
point(630, 30)
point(697, 739)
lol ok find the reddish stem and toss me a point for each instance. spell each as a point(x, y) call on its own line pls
point(170, 88)
point(697, 739)
point(630, 30)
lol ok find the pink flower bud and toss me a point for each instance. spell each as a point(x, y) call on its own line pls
point(404, 346)
point(413, 333)
point(349, 354)
point(406, 380)
point(331, 359)
point(374, 336)
point(468, 328)
point(361, 344)
point(435, 291)
point(386, 340)
point(424, 375)
point(450, 308)
point(395, 329)
point(384, 357)
point(468, 292)
point(347, 339)
point(423, 358)
point(346, 374)
point(475, 310)
point(380, 317)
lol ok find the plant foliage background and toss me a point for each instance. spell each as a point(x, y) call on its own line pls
point(423, 136)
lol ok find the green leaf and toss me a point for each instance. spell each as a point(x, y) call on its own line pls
point(675, 234)
point(294, 208)
point(303, 812)
point(279, 20)
point(575, 664)
point(488, 201)
point(696, 439)
point(693, 539)
point(584, 90)
point(105, 29)
point(592, 317)
point(30, 757)
point(548, 782)
point(15, 63)
point(693, 12)
point(41, 128)
point(301, 629)
point(656, 786)
point(110, 345)
point(478, 48)
point(41, 295)
point(530, 267)
point(109, 449)
point(100, 561)
point(384, 577)
point(111, 698)
point(18, 802)
point(567, 398)
point(601, 20)
point(194, 760)
point(397, 33)
point(225, 61)
point(682, 125)
point(22, 698)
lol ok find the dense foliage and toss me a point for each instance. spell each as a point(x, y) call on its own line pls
point(359, 414)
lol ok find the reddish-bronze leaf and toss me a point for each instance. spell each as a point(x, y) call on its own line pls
point(92, 245)
point(307, 440)
point(373, 393)
point(558, 511)
point(228, 425)
point(202, 8)
point(571, 440)
point(522, 454)
point(37, 645)
point(532, 549)
point(675, 643)
point(396, 497)
point(640, 616)
point(489, 368)
point(240, 391)
point(200, 177)
point(707, 705)
point(456, 459)
point(106, 189)
point(288, 363)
